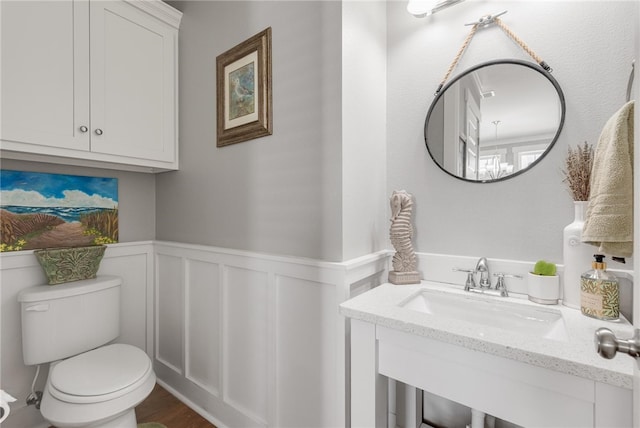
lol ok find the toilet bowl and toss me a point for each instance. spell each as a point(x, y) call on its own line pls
point(99, 388)
point(92, 382)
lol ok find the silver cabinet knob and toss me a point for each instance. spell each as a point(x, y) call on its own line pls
point(607, 344)
point(83, 128)
point(98, 131)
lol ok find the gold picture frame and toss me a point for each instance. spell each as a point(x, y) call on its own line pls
point(244, 104)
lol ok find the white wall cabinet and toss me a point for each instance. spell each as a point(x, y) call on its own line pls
point(90, 83)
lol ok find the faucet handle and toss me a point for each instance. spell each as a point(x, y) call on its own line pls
point(471, 281)
point(507, 275)
point(500, 285)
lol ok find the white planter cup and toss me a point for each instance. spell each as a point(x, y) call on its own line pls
point(543, 289)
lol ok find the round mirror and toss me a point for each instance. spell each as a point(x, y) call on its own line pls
point(494, 121)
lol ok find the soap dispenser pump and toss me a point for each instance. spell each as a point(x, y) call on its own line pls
point(600, 292)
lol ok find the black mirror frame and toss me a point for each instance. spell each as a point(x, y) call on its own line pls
point(532, 66)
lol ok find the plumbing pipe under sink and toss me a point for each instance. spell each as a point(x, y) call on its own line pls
point(478, 420)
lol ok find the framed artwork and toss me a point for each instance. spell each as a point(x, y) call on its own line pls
point(244, 103)
point(40, 210)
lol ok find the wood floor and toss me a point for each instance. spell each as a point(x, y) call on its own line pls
point(164, 408)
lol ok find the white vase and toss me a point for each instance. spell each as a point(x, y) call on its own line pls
point(543, 289)
point(576, 255)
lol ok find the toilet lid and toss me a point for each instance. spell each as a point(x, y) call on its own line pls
point(101, 374)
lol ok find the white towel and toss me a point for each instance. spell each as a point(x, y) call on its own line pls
point(609, 218)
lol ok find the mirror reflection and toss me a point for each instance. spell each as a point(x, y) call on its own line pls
point(495, 120)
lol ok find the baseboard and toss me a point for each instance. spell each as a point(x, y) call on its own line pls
point(199, 410)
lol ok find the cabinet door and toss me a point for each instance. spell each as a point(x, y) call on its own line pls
point(45, 74)
point(132, 83)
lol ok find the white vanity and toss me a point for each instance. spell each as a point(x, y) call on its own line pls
point(529, 364)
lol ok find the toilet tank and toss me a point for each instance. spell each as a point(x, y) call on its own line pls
point(67, 319)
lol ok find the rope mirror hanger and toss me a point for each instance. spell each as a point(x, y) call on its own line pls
point(483, 22)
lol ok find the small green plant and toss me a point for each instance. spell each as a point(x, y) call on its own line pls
point(544, 268)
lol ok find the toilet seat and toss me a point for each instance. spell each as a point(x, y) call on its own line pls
point(99, 375)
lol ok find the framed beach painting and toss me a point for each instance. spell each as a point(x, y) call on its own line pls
point(244, 100)
point(40, 210)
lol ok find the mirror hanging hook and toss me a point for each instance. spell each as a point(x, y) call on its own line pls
point(486, 20)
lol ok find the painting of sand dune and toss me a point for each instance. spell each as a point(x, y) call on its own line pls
point(40, 210)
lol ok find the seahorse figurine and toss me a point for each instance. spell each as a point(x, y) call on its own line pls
point(401, 231)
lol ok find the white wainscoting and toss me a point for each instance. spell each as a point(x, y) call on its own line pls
point(133, 262)
point(246, 339)
point(255, 340)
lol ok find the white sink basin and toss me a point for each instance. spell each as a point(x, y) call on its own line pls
point(490, 312)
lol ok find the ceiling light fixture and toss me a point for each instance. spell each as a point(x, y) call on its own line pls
point(422, 8)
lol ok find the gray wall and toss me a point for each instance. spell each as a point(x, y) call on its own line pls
point(276, 194)
point(588, 44)
point(293, 192)
point(136, 195)
point(365, 203)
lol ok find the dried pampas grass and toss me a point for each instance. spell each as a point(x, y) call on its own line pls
point(577, 172)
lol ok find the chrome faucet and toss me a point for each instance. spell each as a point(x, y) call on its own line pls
point(482, 267)
point(483, 283)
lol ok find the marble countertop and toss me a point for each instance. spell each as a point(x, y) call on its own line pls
point(576, 355)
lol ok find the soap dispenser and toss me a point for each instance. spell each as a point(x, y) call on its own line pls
point(600, 292)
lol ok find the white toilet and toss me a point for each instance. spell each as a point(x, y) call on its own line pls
point(90, 383)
